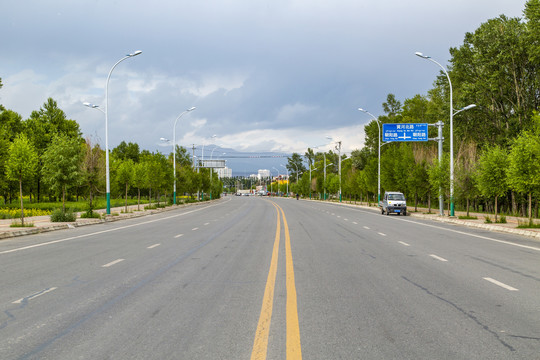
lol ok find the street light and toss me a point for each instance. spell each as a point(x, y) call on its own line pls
point(138, 52)
point(174, 150)
point(379, 156)
point(93, 106)
point(419, 54)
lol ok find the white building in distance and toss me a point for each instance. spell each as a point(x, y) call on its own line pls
point(263, 174)
point(224, 172)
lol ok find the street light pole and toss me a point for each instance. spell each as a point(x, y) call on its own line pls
point(419, 54)
point(138, 52)
point(174, 151)
point(379, 156)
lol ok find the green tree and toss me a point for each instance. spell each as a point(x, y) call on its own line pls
point(43, 125)
point(127, 151)
point(295, 165)
point(21, 164)
point(139, 180)
point(491, 176)
point(183, 158)
point(524, 165)
point(62, 165)
point(124, 176)
point(493, 70)
point(92, 170)
point(439, 176)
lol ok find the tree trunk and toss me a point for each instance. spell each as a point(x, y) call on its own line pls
point(64, 199)
point(20, 193)
point(138, 199)
point(496, 197)
point(514, 205)
point(125, 201)
point(530, 206)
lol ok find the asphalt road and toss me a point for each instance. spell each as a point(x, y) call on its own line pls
point(256, 278)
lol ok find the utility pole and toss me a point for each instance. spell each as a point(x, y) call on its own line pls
point(440, 139)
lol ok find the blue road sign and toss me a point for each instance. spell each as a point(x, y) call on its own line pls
point(405, 132)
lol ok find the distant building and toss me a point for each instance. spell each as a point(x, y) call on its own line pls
point(224, 172)
point(263, 174)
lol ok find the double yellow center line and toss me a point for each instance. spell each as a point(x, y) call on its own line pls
point(260, 345)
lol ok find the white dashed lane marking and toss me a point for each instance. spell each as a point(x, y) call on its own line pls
point(113, 263)
point(498, 283)
point(31, 297)
point(438, 258)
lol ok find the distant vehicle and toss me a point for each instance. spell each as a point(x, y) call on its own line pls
point(393, 202)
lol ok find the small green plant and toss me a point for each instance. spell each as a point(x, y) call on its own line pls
point(90, 215)
point(59, 216)
point(17, 223)
point(465, 217)
point(502, 220)
point(528, 224)
point(488, 220)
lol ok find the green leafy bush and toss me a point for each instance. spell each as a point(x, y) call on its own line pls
point(58, 216)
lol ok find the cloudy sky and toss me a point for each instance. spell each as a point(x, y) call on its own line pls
point(265, 75)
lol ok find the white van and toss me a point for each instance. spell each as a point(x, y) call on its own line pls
point(393, 202)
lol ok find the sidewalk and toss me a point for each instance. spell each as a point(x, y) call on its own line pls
point(510, 227)
point(44, 224)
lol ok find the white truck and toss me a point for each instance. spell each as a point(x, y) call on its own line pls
point(393, 202)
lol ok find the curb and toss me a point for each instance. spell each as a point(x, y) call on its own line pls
point(489, 227)
point(86, 222)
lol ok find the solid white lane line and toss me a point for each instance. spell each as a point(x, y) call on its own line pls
point(35, 295)
point(404, 243)
point(498, 283)
point(438, 258)
point(153, 246)
point(113, 263)
point(194, 229)
point(382, 234)
point(474, 235)
point(177, 236)
point(107, 231)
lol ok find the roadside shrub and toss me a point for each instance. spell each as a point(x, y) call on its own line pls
point(528, 224)
point(17, 223)
point(465, 217)
point(59, 216)
point(488, 220)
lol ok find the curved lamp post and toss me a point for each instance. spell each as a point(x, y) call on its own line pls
point(108, 180)
point(452, 113)
point(379, 156)
point(174, 151)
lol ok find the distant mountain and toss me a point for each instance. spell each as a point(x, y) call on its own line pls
point(246, 163)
